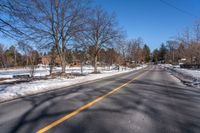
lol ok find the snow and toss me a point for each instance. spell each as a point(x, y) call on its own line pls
point(44, 70)
point(9, 73)
point(8, 81)
point(8, 92)
point(189, 72)
point(189, 76)
point(193, 73)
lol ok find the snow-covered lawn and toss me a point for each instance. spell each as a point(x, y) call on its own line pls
point(9, 73)
point(8, 92)
point(43, 71)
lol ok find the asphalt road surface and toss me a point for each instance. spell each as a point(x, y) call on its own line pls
point(145, 101)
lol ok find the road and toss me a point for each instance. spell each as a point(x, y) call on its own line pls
point(145, 101)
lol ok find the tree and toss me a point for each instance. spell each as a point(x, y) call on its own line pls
point(155, 55)
point(12, 56)
point(2, 56)
point(53, 56)
point(135, 51)
point(181, 51)
point(33, 59)
point(197, 31)
point(7, 25)
point(162, 52)
point(49, 23)
point(122, 49)
point(146, 53)
point(25, 49)
point(101, 32)
point(111, 56)
point(172, 46)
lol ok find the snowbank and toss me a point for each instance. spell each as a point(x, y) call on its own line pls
point(187, 76)
point(8, 92)
point(193, 73)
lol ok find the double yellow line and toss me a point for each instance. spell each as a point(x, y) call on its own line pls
point(55, 123)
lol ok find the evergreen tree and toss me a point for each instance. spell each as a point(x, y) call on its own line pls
point(146, 53)
point(162, 52)
point(155, 55)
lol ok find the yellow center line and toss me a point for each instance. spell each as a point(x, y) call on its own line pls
point(55, 123)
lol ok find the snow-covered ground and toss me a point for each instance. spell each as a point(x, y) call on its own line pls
point(8, 91)
point(193, 73)
point(9, 73)
point(43, 71)
point(190, 76)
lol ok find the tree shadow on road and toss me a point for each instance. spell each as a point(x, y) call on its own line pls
point(169, 107)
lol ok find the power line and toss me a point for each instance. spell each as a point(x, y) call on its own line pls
point(178, 9)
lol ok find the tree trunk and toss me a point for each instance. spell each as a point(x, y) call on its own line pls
point(50, 69)
point(63, 65)
point(27, 63)
point(51, 65)
point(81, 67)
point(95, 63)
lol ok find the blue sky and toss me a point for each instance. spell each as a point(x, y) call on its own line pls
point(153, 20)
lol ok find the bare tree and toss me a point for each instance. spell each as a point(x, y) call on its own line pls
point(135, 50)
point(172, 45)
point(101, 32)
point(197, 31)
point(122, 50)
point(181, 51)
point(8, 26)
point(185, 37)
point(25, 49)
point(2, 56)
point(33, 59)
point(53, 56)
point(49, 23)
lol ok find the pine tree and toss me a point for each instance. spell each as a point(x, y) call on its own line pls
point(146, 53)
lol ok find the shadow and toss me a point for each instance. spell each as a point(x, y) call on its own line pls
point(41, 106)
point(144, 105)
point(167, 109)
